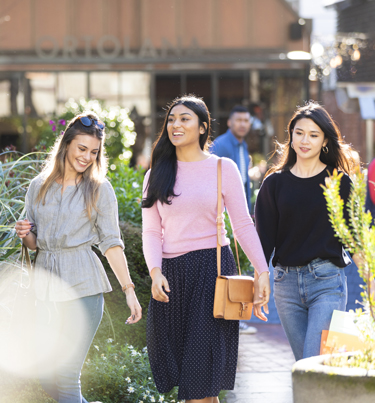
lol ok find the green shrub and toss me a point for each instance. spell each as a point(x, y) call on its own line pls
point(246, 267)
point(113, 323)
point(16, 172)
point(120, 373)
point(127, 183)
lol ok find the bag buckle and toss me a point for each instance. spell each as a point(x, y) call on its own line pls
point(243, 308)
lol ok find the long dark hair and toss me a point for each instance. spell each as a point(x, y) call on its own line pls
point(163, 158)
point(92, 177)
point(339, 153)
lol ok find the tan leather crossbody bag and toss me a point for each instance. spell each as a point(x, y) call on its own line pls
point(234, 295)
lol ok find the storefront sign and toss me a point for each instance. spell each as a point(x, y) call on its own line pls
point(110, 47)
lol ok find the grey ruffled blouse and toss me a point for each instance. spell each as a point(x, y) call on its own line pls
point(66, 267)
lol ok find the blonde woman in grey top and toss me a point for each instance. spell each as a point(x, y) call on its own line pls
point(70, 207)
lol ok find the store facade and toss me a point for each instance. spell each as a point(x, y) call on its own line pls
point(141, 54)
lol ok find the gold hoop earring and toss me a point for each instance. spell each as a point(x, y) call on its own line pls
point(325, 149)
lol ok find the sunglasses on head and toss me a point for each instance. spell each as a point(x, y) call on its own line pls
point(87, 122)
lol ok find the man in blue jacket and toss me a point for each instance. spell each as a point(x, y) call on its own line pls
point(232, 144)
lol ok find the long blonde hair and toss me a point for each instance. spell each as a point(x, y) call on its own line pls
point(92, 177)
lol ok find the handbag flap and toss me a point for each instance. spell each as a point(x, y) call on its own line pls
point(240, 288)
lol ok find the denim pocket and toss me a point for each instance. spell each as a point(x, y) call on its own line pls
point(326, 271)
point(278, 274)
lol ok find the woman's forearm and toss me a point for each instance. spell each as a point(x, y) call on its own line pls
point(30, 241)
point(117, 260)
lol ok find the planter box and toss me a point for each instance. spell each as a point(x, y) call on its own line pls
point(315, 382)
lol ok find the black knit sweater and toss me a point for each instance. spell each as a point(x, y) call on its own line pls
point(291, 217)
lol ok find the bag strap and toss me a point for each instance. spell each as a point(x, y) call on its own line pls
point(219, 223)
point(25, 256)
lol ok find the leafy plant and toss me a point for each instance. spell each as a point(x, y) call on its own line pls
point(120, 373)
point(246, 267)
point(127, 183)
point(16, 172)
point(359, 238)
point(113, 325)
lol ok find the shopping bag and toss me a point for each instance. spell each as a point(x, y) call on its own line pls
point(343, 334)
point(17, 316)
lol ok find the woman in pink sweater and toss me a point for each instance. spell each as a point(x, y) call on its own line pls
point(187, 346)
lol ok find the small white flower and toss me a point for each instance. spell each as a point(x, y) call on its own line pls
point(109, 340)
point(128, 380)
point(135, 185)
point(134, 353)
point(96, 347)
point(148, 392)
point(149, 378)
point(161, 399)
point(152, 398)
point(130, 389)
point(144, 396)
point(130, 346)
point(144, 349)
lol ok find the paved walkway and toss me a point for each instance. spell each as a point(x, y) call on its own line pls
point(264, 367)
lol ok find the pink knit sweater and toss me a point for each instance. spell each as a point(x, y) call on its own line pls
point(189, 223)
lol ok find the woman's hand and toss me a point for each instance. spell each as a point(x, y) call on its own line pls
point(262, 291)
point(23, 228)
point(134, 306)
point(158, 282)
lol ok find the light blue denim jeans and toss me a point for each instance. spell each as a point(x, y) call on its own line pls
point(305, 298)
point(66, 330)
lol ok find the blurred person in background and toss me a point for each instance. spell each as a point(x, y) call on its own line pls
point(70, 207)
point(370, 196)
point(232, 145)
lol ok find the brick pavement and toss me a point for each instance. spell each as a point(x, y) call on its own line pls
point(264, 367)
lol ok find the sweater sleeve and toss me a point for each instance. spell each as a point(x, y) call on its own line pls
point(152, 232)
point(267, 216)
point(242, 224)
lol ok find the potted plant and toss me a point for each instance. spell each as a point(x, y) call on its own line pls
point(346, 377)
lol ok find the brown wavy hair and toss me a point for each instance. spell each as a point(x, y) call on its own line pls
point(340, 154)
point(92, 177)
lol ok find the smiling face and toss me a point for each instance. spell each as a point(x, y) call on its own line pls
point(183, 127)
point(81, 153)
point(308, 139)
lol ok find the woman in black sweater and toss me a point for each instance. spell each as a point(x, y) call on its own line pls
point(292, 221)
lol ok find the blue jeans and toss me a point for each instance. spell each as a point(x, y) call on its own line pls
point(305, 298)
point(65, 331)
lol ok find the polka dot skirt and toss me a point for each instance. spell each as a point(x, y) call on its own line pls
point(187, 346)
